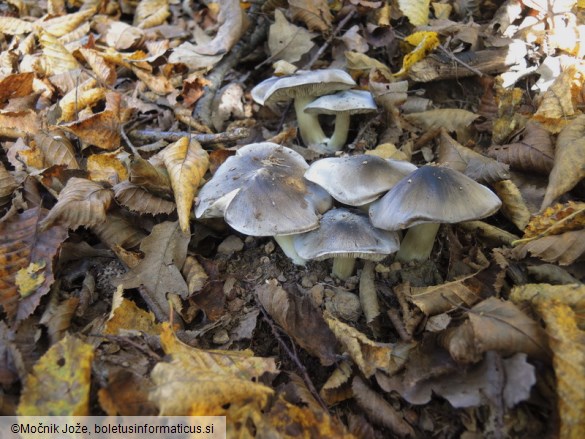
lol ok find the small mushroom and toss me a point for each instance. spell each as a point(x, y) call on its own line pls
point(341, 105)
point(423, 200)
point(261, 191)
point(344, 235)
point(359, 179)
point(304, 86)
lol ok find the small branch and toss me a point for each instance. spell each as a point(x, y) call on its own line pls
point(173, 136)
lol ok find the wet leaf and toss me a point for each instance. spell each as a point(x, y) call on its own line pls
point(159, 272)
point(81, 203)
point(22, 244)
point(569, 167)
point(314, 13)
point(187, 162)
point(59, 382)
point(300, 320)
point(287, 41)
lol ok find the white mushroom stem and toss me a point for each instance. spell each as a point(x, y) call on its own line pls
point(340, 132)
point(286, 244)
point(418, 242)
point(309, 126)
point(343, 267)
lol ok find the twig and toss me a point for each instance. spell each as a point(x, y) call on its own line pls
point(329, 40)
point(295, 359)
point(460, 61)
point(173, 136)
point(128, 142)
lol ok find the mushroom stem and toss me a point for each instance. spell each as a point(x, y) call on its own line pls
point(418, 242)
point(309, 126)
point(343, 267)
point(286, 244)
point(339, 137)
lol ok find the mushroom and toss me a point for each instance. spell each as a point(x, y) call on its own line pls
point(304, 86)
point(344, 235)
point(423, 200)
point(261, 191)
point(359, 179)
point(341, 105)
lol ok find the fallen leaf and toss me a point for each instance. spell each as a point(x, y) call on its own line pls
point(154, 179)
point(15, 26)
point(106, 167)
point(424, 42)
point(569, 167)
point(122, 36)
point(59, 382)
point(150, 13)
point(563, 249)
point(232, 25)
point(16, 85)
point(513, 206)
point(138, 199)
point(19, 124)
point(417, 11)
point(81, 96)
point(556, 219)
point(7, 185)
point(287, 41)
point(104, 70)
point(81, 203)
point(56, 149)
point(29, 279)
point(165, 250)
point(187, 162)
point(23, 244)
point(337, 388)
point(450, 119)
point(359, 64)
point(299, 319)
point(194, 274)
point(64, 24)
point(126, 394)
point(57, 58)
point(126, 316)
point(314, 13)
point(117, 230)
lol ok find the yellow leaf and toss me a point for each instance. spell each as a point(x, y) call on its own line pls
point(84, 95)
point(424, 43)
point(358, 63)
point(513, 206)
point(15, 26)
point(556, 219)
point(150, 13)
point(417, 11)
point(106, 167)
point(58, 59)
point(127, 316)
point(187, 163)
point(30, 278)
point(59, 26)
point(59, 382)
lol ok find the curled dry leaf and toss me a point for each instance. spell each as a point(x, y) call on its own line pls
point(57, 58)
point(369, 356)
point(107, 167)
point(569, 167)
point(387, 92)
point(479, 167)
point(299, 319)
point(379, 410)
point(59, 382)
point(194, 274)
point(449, 118)
point(7, 185)
point(16, 85)
point(117, 230)
point(81, 203)
point(186, 162)
point(64, 24)
point(155, 179)
point(150, 13)
point(337, 387)
point(104, 70)
point(513, 206)
point(81, 96)
point(359, 63)
point(533, 153)
point(563, 249)
point(15, 26)
point(121, 36)
point(165, 250)
point(23, 244)
point(19, 124)
point(314, 13)
point(287, 41)
point(494, 325)
point(56, 149)
point(138, 199)
point(232, 25)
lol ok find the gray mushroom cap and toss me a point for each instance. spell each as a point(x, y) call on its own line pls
point(433, 194)
point(347, 101)
point(302, 83)
point(359, 179)
point(346, 233)
point(262, 192)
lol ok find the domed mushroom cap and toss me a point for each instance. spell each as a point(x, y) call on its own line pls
point(302, 83)
point(347, 233)
point(263, 192)
point(359, 179)
point(348, 101)
point(433, 194)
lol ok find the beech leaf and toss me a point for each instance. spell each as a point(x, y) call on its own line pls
point(314, 13)
point(140, 200)
point(563, 249)
point(287, 41)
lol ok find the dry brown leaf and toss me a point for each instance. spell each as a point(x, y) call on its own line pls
point(7, 185)
point(337, 388)
point(57, 58)
point(232, 25)
point(369, 356)
point(513, 206)
point(54, 178)
point(379, 410)
point(101, 129)
point(449, 118)
point(81, 96)
point(117, 230)
point(22, 244)
point(563, 249)
point(107, 167)
point(81, 203)
point(299, 319)
point(126, 316)
point(138, 199)
point(359, 64)
point(194, 274)
point(15, 26)
point(314, 13)
point(57, 317)
point(126, 394)
point(495, 325)
point(56, 149)
point(387, 92)
point(533, 153)
point(104, 71)
point(481, 168)
point(60, 26)
point(287, 41)
point(121, 36)
point(150, 13)
point(186, 162)
point(165, 250)
point(569, 167)
point(16, 86)
point(154, 179)
point(157, 83)
point(19, 124)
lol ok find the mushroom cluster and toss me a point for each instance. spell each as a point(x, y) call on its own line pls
point(318, 92)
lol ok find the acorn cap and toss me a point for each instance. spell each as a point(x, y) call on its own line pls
point(433, 194)
point(346, 233)
point(359, 179)
point(269, 195)
point(347, 101)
